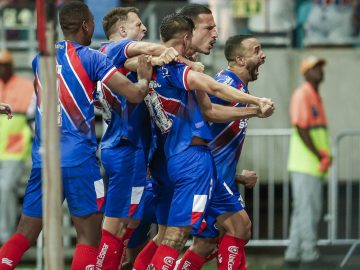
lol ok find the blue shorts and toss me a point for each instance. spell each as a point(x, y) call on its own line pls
point(224, 200)
point(141, 234)
point(193, 172)
point(164, 186)
point(125, 167)
point(83, 189)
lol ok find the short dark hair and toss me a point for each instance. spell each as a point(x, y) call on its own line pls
point(174, 24)
point(233, 46)
point(115, 15)
point(72, 15)
point(194, 10)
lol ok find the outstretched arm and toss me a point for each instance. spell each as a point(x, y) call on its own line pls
point(167, 56)
point(220, 114)
point(203, 82)
point(141, 47)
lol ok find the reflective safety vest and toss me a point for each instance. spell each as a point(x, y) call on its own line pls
point(15, 133)
point(15, 137)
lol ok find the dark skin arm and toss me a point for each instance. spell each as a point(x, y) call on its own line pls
point(305, 137)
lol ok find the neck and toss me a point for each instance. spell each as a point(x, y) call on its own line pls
point(115, 37)
point(315, 85)
point(76, 38)
point(240, 72)
point(7, 78)
point(176, 45)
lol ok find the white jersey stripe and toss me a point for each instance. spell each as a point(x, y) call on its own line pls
point(77, 77)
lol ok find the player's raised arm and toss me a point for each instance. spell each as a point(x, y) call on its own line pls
point(203, 82)
point(133, 92)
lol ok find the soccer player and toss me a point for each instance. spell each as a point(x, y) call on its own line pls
point(204, 37)
point(125, 144)
point(224, 204)
point(190, 165)
point(78, 70)
point(244, 56)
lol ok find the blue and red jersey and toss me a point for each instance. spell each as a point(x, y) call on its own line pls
point(78, 70)
point(174, 108)
point(228, 138)
point(127, 120)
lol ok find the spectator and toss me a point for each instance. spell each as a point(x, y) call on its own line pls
point(278, 16)
point(15, 140)
point(329, 22)
point(309, 160)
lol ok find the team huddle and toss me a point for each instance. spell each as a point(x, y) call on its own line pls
point(173, 139)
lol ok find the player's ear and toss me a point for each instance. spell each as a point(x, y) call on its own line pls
point(186, 40)
point(122, 31)
point(84, 26)
point(240, 60)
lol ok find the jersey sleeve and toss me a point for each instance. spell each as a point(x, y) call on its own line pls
point(118, 52)
point(177, 74)
point(103, 68)
point(299, 110)
point(216, 100)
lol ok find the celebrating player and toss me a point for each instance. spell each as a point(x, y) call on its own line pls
point(78, 68)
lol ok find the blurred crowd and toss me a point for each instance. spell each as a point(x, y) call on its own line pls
point(304, 23)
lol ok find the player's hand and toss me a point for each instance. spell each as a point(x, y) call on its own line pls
point(325, 161)
point(268, 111)
point(247, 178)
point(197, 66)
point(167, 56)
point(144, 69)
point(266, 105)
point(6, 109)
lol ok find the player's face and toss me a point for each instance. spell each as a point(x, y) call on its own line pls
point(254, 57)
point(134, 27)
point(205, 34)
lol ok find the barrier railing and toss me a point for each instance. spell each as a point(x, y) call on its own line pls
point(269, 204)
point(345, 228)
point(265, 151)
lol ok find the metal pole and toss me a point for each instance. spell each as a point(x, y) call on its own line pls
point(51, 174)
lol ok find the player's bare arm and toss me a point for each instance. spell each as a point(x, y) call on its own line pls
point(167, 56)
point(133, 92)
point(220, 114)
point(306, 138)
point(6, 109)
point(203, 82)
point(142, 47)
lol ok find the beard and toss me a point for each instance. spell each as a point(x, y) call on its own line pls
point(252, 69)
